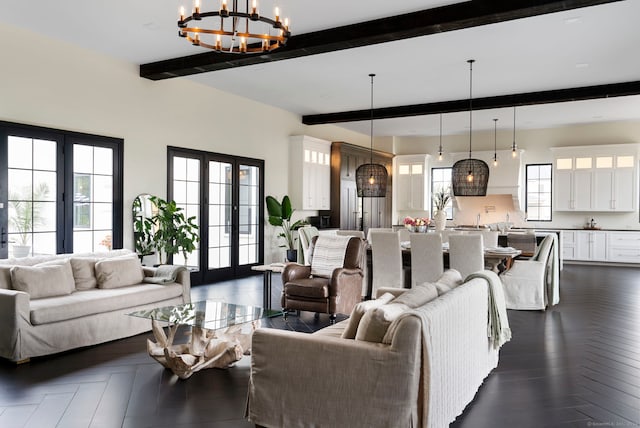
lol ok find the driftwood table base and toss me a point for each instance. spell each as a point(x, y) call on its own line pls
point(205, 348)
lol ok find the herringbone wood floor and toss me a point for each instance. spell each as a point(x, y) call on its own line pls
point(577, 365)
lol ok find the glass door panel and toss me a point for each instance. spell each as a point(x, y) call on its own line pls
point(92, 198)
point(249, 221)
point(32, 189)
point(220, 214)
point(186, 193)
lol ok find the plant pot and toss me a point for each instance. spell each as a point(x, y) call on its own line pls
point(410, 227)
point(292, 255)
point(21, 250)
point(440, 218)
point(421, 228)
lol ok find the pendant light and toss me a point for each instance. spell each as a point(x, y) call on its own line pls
point(470, 176)
point(440, 147)
point(371, 178)
point(495, 142)
point(514, 152)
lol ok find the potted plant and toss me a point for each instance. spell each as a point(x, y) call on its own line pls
point(25, 215)
point(441, 199)
point(174, 232)
point(280, 215)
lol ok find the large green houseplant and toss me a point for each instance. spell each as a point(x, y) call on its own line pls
point(169, 229)
point(280, 214)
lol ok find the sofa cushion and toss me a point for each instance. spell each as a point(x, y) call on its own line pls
point(119, 272)
point(84, 272)
point(5, 277)
point(358, 312)
point(418, 295)
point(376, 321)
point(312, 288)
point(449, 280)
point(44, 280)
point(94, 301)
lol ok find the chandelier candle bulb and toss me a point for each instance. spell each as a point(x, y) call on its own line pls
point(181, 14)
point(277, 14)
point(196, 10)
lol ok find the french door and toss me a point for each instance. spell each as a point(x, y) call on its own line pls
point(60, 191)
point(225, 194)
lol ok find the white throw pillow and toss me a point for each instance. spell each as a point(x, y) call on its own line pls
point(84, 272)
point(119, 272)
point(358, 312)
point(43, 280)
point(449, 280)
point(376, 321)
point(418, 295)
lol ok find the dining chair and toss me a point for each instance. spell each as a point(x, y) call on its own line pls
point(344, 232)
point(525, 242)
point(445, 234)
point(404, 235)
point(377, 229)
point(489, 238)
point(386, 260)
point(534, 284)
point(426, 258)
point(466, 253)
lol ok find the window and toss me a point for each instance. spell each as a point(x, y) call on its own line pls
point(43, 165)
point(538, 193)
point(441, 180)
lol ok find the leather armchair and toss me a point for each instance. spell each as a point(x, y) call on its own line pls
point(338, 293)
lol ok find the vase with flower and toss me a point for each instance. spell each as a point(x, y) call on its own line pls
point(441, 199)
point(409, 224)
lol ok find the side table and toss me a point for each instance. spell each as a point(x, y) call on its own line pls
point(267, 270)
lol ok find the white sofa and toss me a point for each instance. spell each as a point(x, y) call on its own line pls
point(51, 304)
point(428, 367)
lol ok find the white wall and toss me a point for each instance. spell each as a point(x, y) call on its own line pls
point(535, 145)
point(50, 83)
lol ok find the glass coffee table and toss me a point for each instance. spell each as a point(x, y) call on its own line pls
point(220, 334)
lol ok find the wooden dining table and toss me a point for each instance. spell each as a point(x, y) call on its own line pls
point(500, 260)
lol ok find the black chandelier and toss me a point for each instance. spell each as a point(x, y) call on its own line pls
point(235, 29)
point(470, 176)
point(371, 178)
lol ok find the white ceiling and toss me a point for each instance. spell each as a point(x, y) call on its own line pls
point(582, 47)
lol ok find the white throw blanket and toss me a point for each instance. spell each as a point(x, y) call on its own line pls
point(328, 254)
point(498, 323)
point(456, 353)
point(552, 280)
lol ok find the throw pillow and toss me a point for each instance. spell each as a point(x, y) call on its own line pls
point(44, 280)
point(358, 312)
point(376, 321)
point(418, 295)
point(5, 277)
point(449, 280)
point(118, 272)
point(84, 272)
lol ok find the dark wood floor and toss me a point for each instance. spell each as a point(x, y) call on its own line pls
point(575, 365)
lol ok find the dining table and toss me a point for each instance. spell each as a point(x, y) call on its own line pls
point(498, 259)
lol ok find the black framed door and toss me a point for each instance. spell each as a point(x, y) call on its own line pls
point(225, 193)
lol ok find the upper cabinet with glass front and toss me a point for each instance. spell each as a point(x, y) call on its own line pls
point(411, 182)
point(310, 173)
point(596, 178)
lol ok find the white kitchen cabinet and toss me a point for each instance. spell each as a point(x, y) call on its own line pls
point(591, 245)
point(310, 173)
point(603, 181)
point(569, 244)
point(623, 247)
point(411, 183)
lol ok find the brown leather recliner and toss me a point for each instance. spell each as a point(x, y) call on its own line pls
point(337, 294)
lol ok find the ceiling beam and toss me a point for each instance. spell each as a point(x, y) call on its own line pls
point(500, 101)
point(425, 22)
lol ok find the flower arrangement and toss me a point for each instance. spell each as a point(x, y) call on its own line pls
point(418, 223)
point(441, 198)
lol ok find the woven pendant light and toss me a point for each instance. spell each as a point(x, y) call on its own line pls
point(470, 176)
point(371, 178)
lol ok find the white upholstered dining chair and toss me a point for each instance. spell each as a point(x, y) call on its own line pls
point(386, 260)
point(426, 258)
point(466, 253)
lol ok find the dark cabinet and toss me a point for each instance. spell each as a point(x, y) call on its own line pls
point(346, 208)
